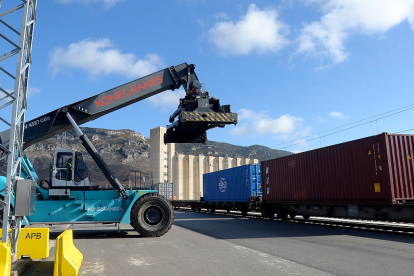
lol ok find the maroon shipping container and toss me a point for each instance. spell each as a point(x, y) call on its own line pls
point(373, 170)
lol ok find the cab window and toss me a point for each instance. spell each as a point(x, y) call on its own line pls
point(62, 158)
point(81, 171)
point(64, 172)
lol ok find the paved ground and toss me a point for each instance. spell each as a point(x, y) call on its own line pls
point(205, 244)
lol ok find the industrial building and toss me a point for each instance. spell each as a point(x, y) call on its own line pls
point(185, 171)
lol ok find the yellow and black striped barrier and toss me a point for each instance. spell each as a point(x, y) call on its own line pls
point(212, 117)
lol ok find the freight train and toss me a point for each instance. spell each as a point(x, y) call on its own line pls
point(369, 178)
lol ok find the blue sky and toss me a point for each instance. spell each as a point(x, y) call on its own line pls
point(291, 69)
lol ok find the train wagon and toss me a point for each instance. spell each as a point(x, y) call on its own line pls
point(369, 178)
point(238, 188)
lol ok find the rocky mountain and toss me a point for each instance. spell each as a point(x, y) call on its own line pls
point(123, 150)
point(222, 149)
point(126, 151)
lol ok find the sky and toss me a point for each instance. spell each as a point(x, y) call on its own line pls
point(301, 74)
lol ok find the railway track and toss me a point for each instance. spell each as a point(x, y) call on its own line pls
point(396, 228)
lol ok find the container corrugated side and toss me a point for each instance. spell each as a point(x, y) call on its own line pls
point(255, 178)
point(231, 185)
point(376, 169)
point(401, 166)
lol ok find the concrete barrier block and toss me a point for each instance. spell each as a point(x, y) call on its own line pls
point(5, 259)
point(68, 258)
point(33, 243)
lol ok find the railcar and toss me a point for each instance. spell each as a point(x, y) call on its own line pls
point(238, 188)
point(369, 178)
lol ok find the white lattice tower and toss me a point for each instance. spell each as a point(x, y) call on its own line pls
point(12, 150)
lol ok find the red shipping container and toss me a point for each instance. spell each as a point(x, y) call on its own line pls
point(373, 170)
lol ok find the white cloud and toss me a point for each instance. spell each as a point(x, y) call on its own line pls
point(303, 132)
point(99, 57)
point(320, 119)
point(192, 3)
point(256, 31)
point(106, 3)
point(301, 142)
point(167, 100)
point(222, 16)
point(33, 91)
point(337, 114)
point(259, 123)
point(343, 18)
point(30, 92)
point(296, 138)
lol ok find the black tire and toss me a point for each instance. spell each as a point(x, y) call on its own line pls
point(282, 215)
point(244, 213)
point(292, 216)
point(306, 217)
point(268, 214)
point(152, 215)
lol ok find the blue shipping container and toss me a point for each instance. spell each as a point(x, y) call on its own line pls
point(233, 185)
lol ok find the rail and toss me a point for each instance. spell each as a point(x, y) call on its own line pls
point(396, 228)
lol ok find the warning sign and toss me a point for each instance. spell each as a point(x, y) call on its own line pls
point(369, 152)
point(377, 187)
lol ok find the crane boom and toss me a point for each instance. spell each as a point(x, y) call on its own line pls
point(197, 112)
point(187, 128)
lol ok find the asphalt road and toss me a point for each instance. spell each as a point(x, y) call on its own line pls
point(205, 244)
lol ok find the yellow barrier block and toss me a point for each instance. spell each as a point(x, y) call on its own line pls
point(33, 242)
point(68, 258)
point(5, 259)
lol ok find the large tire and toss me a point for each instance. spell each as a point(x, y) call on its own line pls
point(306, 216)
point(268, 214)
point(152, 215)
point(282, 215)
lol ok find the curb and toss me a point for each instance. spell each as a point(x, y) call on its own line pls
point(19, 266)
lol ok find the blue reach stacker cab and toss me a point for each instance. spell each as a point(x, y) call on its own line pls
point(68, 196)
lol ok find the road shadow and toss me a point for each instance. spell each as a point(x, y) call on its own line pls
point(222, 226)
point(100, 234)
point(37, 268)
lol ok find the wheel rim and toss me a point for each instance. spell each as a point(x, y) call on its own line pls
point(153, 215)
